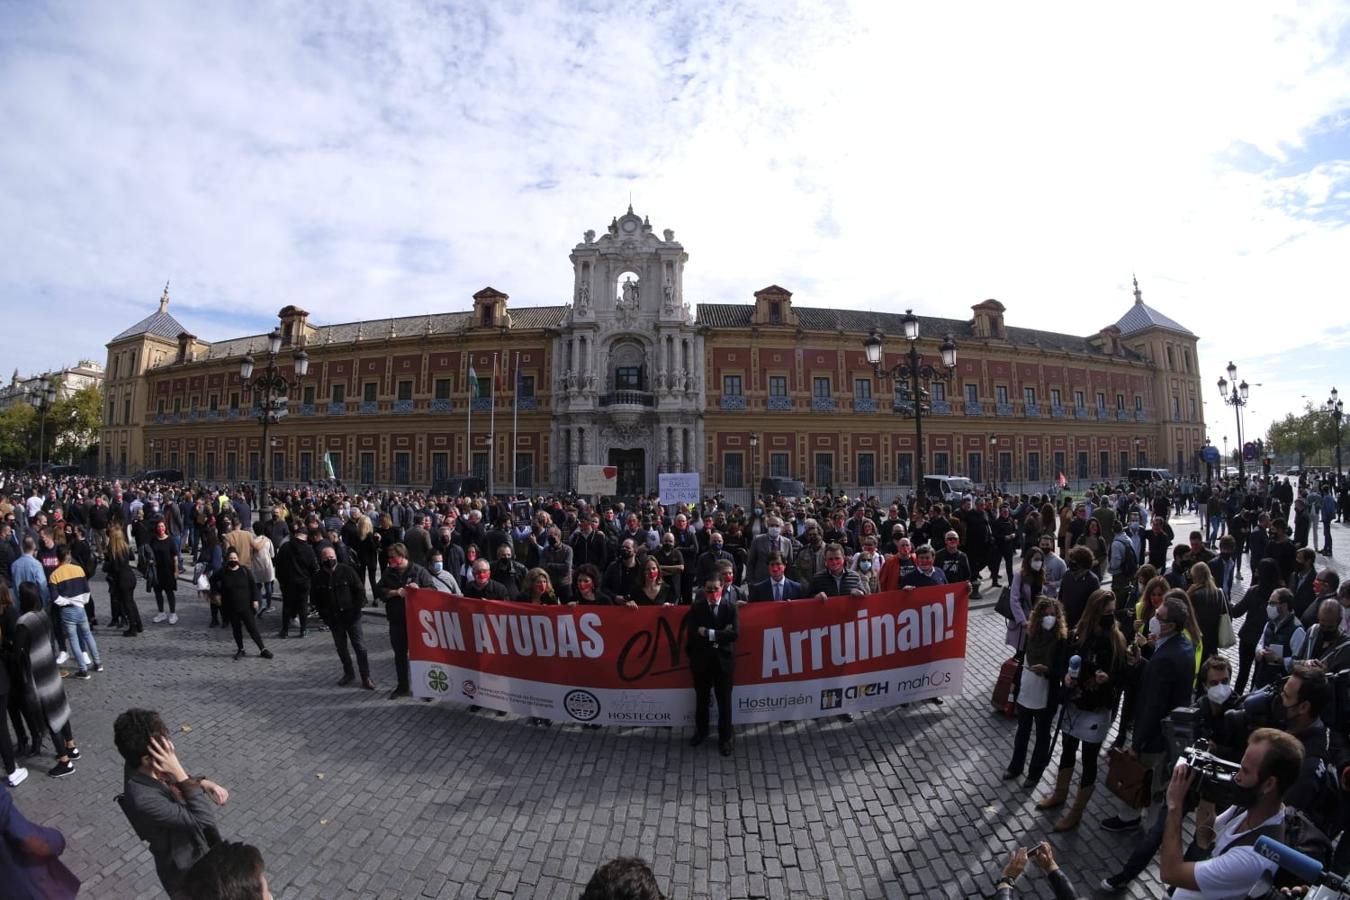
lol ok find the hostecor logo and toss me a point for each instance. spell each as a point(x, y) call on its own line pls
point(581, 705)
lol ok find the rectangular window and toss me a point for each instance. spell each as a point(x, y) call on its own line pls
point(177, 405)
point(191, 472)
point(904, 469)
point(440, 466)
point(1176, 409)
point(731, 385)
point(1104, 464)
point(1004, 466)
point(862, 389)
point(1082, 465)
point(778, 386)
point(1029, 396)
point(403, 468)
point(210, 467)
point(335, 460)
point(824, 467)
point(733, 469)
point(975, 467)
point(213, 403)
point(820, 386)
point(866, 469)
point(173, 459)
point(527, 387)
point(524, 470)
point(1056, 399)
point(1078, 399)
point(480, 465)
point(254, 466)
point(367, 468)
point(1141, 459)
point(404, 393)
point(159, 406)
point(1000, 393)
point(778, 465)
point(628, 378)
point(972, 393)
point(231, 467)
point(339, 394)
point(1138, 402)
point(1034, 465)
point(1061, 465)
point(487, 316)
point(234, 400)
point(278, 466)
point(1191, 418)
point(306, 467)
point(1101, 399)
point(441, 388)
point(370, 391)
point(775, 313)
point(1120, 401)
point(1124, 462)
point(1186, 360)
point(938, 391)
point(941, 464)
point(159, 460)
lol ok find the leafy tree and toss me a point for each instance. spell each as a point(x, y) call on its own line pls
point(74, 422)
point(1302, 435)
point(18, 434)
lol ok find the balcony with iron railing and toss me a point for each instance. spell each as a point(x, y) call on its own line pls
point(974, 408)
point(628, 398)
point(822, 404)
point(405, 406)
point(779, 403)
point(442, 405)
point(865, 404)
point(1032, 410)
point(1003, 409)
point(732, 402)
point(337, 408)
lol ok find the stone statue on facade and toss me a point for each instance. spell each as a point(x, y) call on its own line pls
point(668, 293)
point(584, 298)
point(630, 293)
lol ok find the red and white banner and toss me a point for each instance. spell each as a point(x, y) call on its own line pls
point(620, 666)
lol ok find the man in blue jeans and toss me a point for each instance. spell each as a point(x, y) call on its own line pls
point(70, 592)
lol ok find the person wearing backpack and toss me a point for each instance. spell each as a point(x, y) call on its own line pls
point(1124, 561)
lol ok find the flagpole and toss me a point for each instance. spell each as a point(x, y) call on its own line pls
point(492, 425)
point(515, 417)
point(473, 393)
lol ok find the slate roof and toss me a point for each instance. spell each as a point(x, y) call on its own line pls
point(159, 324)
point(737, 315)
point(1142, 316)
point(379, 329)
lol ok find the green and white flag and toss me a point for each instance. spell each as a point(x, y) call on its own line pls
point(328, 465)
point(473, 382)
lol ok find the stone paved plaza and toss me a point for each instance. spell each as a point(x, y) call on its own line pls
point(351, 795)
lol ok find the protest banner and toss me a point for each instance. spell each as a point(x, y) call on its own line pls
point(617, 665)
point(679, 487)
point(599, 481)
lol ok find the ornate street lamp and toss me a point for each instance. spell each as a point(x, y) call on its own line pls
point(911, 372)
point(268, 390)
point(754, 467)
point(1237, 399)
point(42, 401)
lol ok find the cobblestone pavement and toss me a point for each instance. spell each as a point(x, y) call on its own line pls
point(351, 795)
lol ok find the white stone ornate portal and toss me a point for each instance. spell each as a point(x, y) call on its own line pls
point(626, 360)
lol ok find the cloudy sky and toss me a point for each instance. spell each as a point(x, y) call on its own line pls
point(363, 159)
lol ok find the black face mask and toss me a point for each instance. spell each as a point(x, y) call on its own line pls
point(330, 563)
point(1106, 620)
point(233, 564)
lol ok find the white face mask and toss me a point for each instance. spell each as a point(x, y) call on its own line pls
point(1272, 611)
point(774, 531)
point(1047, 622)
point(1154, 626)
point(1219, 694)
point(1036, 565)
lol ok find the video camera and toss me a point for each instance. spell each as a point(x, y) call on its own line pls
point(1215, 782)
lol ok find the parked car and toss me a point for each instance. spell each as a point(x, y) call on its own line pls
point(947, 488)
point(1147, 474)
point(782, 487)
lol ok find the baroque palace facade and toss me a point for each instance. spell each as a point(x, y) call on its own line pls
point(629, 375)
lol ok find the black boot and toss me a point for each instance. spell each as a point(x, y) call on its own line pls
point(215, 616)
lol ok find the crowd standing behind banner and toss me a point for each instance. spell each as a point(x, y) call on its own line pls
point(1071, 563)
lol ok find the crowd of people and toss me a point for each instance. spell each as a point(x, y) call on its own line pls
point(1114, 620)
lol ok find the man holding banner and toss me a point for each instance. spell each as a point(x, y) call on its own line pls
point(713, 626)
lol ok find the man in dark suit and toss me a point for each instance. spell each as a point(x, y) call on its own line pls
point(1166, 684)
point(1301, 582)
point(1224, 566)
point(777, 586)
point(713, 626)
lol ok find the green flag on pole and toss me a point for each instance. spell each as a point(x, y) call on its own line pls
point(473, 383)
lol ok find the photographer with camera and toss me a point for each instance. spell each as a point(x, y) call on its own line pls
point(1216, 698)
point(1044, 858)
point(1282, 638)
point(1270, 767)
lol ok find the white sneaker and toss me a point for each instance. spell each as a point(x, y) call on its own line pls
point(87, 660)
point(15, 778)
point(159, 617)
point(62, 657)
point(173, 618)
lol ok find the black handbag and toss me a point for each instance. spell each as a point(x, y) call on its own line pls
point(1004, 605)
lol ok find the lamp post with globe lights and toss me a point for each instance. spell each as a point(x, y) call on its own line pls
point(1336, 408)
point(269, 389)
point(1237, 399)
point(907, 375)
point(42, 400)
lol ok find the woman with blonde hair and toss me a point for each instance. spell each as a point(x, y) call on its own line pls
point(119, 565)
point(1090, 699)
point(1208, 604)
point(539, 589)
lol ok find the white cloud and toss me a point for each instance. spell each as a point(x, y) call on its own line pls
point(357, 159)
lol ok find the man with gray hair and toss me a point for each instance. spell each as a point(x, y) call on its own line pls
point(772, 541)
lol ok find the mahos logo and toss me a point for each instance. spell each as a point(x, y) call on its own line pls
point(581, 705)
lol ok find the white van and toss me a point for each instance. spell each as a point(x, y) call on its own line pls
point(947, 488)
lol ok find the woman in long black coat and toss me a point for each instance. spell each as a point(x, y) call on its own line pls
point(43, 693)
